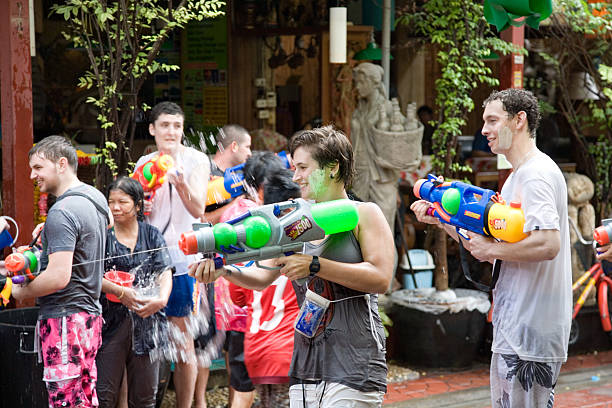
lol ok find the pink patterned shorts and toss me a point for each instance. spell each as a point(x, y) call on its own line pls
point(68, 349)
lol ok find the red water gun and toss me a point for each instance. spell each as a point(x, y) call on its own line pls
point(152, 174)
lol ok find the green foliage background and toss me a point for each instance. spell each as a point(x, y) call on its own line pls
point(122, 40)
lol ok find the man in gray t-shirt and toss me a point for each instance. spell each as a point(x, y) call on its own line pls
point(75, 225)
point(68, 288)
point(533, 297)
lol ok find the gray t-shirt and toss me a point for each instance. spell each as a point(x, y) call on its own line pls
point(74, 224)
point(532, 301)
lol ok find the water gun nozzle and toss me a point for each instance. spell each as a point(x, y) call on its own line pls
point(188, 243)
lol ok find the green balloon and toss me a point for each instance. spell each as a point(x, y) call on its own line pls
point(451, 199)
point(224, 234)
point(258, 231)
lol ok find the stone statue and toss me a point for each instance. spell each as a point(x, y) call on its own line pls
point(382, 144)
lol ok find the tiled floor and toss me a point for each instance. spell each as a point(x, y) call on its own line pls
point(437, 383)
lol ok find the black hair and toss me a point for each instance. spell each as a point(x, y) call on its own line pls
point(132, 188)
point(327, 146)
point(279, 186)
point(260, 164)
point(424, 109)
point(516, 100)
point(55, 147)
point(169, 108)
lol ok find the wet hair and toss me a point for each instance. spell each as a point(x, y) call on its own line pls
point(259, 165)
point(169, 108)
point(327, 146)
point(516, 100)
point(55, 147)
point(231, 133)
point(279, 186)
point(132, 188)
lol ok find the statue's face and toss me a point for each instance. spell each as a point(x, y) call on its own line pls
point(364, 85)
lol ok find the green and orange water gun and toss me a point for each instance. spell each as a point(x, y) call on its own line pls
point(270, 231)
point(22, 266)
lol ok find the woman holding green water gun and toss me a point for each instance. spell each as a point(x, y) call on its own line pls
point(339, 353)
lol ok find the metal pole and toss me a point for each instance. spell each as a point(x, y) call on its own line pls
point(386, 43)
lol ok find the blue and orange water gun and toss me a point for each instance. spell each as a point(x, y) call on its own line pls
point(472, 208)
point(231, 185)
point(22, 266)
point(152, 174)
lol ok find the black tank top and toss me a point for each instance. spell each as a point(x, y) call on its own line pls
point(343, 350)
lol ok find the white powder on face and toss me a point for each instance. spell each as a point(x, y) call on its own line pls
point(504, 138)
point(316, 182)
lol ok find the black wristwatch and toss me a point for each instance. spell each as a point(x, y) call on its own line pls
point(315, 266)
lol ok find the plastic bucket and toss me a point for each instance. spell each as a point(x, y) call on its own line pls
point(421, 264)
point(21, 383)
point(424, 279)
point(120, 278)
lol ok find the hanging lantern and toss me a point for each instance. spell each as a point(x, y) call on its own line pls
point(337, 35)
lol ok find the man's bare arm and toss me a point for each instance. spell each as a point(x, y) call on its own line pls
point(54, 278)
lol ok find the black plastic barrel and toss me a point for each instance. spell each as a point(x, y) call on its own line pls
point(444, 340)
point(21, 383)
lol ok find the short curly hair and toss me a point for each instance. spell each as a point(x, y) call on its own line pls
point(327, 146)
point(516, 100)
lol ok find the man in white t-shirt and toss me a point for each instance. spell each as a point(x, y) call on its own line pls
point(176, 205)
point(533, 296)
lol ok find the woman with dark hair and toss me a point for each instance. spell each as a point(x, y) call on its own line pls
point(341, 360)
point(134, 322)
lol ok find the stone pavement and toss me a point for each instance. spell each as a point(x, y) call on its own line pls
point(585, 381)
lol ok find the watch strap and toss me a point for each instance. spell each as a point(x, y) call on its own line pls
point(315, 266)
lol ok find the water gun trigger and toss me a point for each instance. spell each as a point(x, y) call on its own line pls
point(462, 233)
point(219, 262)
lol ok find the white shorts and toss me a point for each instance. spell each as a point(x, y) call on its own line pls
point(328, 394)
